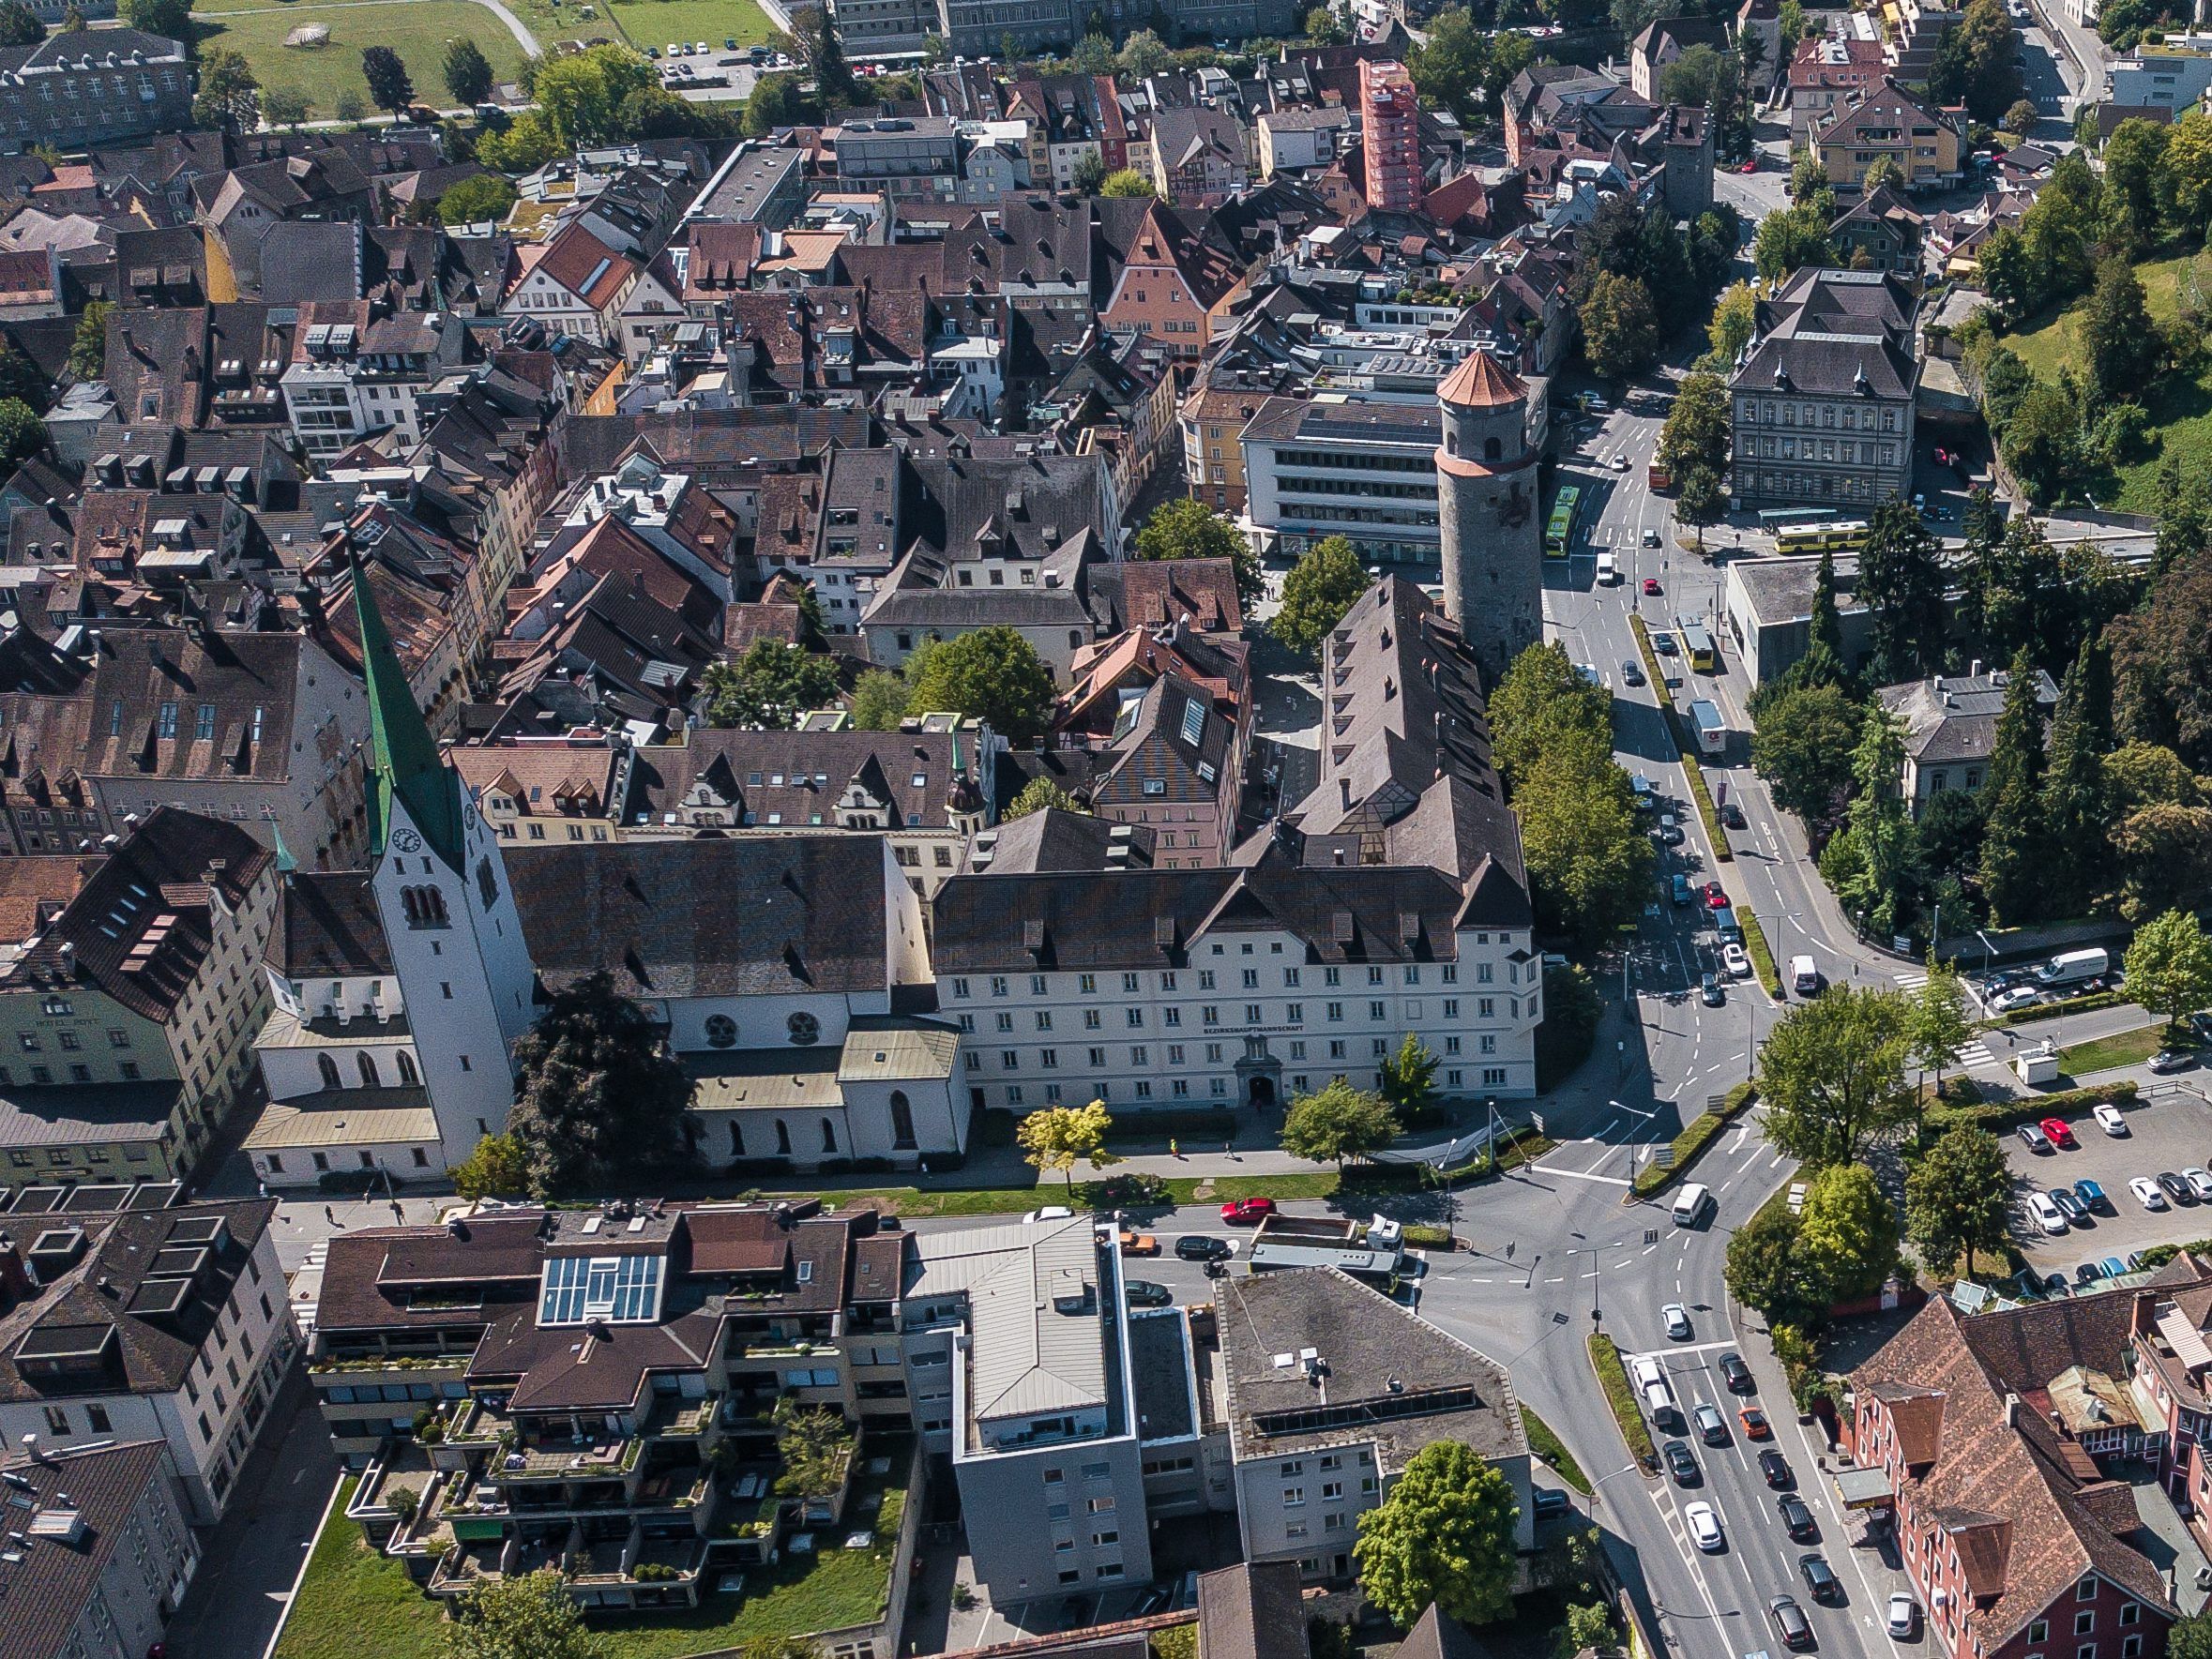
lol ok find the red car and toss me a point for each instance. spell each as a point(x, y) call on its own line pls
point(1715, 898)
point(1246, 1212)
point(1651, 585)
point(2061, 1137)
point(1748, 167)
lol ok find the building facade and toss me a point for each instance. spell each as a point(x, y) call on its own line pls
point(1491, 543)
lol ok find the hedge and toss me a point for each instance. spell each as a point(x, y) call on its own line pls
point(1697, 1134)
point(1716, 831)
point(2102, 999)
point(1762, 958)
point(1198, 1124)
point(2027, 1108)
point(1545, 1443)
point(1605, 1359)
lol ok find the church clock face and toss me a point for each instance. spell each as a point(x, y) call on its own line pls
point(407, 841)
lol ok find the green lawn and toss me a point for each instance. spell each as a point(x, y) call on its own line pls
point(2128, 1047)
point(356, 1605)
point(416, 29)
point(656, 23)
point(354, 1602)
point(2180, 411)
point(1547, 1444)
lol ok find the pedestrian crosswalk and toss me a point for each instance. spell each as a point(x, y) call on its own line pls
point(1975, 1054)
point(1910, 981)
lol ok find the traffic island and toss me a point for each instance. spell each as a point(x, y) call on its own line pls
point(1605, 1359)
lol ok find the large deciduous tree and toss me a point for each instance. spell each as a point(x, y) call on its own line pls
point(992, 673)
point(1444, 1537)
point(1187, 529)
point(1956, 1199)
point(531, 1616)
point(390, 87)
point(770, 687)
point(467, 71)
point(1324, 584)
point(2170, 965)
point(1337, 1122)
point(1620, 327)
point(1802, 745)
point(1832, 1075)
point(1058, 1137)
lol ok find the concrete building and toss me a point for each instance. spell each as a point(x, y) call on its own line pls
point(106, 1553)
point(129, 1017)
point(144, 1321)
point(1365, 471)
point(1766, 606)
point(1044, 1422)
point(94, 87)
point(914, 158)
point(1331, 1388)
point(1822, 399)
point(2172, 75)
point(1928, 144)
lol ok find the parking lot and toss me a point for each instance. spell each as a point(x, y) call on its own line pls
point(2172, 1133)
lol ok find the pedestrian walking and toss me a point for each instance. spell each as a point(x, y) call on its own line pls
point(327, 1216)
point(1173, 1151)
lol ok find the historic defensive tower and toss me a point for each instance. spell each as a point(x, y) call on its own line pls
point(1486, 499)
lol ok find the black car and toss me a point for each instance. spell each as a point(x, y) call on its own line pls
point(1798, 1517)
point(1145, 1293)
point(1790, 1622)
point(1709, 988)
point(1681, 1464)
point(2175, 1188)
point(1630, 673)
point(1776, 1467)
point(1197, 1246)
point(1820, 1578)
point(1738, 1375)
point(2201, 1024)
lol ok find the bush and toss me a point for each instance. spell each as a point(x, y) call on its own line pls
point(2103, 999)
point(834, 1166)
point(404, 1502)
point(355, 1181)
point(2004, 1114)
point(873, 1165)
point(1697, 1134)
point(653, 1573)
point(1429, 1238)
point(995, 1126)
point(1132, 1191)
point(1605, 1359)
point(1193, 1123)
point(1762, 958)
point(757, 1166)
point(943, 1163)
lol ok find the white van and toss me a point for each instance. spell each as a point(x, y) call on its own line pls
point(1608, 571)
point(2072, 967)
point(1691, 1203)
point(1804, 976)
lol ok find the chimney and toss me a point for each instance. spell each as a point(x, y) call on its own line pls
point(2011, 1411)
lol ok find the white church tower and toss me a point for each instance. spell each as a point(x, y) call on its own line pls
point(448, 914)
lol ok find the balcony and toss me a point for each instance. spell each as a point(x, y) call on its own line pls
point(603, 1458)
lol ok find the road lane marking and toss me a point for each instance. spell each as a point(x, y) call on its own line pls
point(1585, 1176)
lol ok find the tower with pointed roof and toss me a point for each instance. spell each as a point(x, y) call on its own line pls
point(1488, 512)
point(448, 913)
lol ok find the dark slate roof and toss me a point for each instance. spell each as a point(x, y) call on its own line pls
point(747, 917)
point(330, 928)
point(52, 1580)
point(1253, 1610)
point(90, 1305)
point(1149, 917)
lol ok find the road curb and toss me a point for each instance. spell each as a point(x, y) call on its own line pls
point(307, 1559)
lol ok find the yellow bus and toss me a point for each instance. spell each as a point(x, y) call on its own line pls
point(1697, 644)
point(1837, 535)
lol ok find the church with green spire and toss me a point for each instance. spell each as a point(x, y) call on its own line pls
point(405, 769)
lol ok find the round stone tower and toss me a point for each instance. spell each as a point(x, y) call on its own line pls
point(1486, 502)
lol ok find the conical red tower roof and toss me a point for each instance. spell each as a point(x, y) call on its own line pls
point(1479, 382)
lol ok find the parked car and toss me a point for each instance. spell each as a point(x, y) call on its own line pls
point(1145, 1293)
point(2091, 1198)
point(1711, 1426)
point(2167, 1060)
point(1704, 1525)
point(1676, 1318)
point(1681, 1465)
point(2200, 1182)
point(2034, 1138)
point(1790, 1622)
point(2174, 1187)
point(2146, 1193)
point(1715, 898)
point(2109, 1119)
point(1198, 1246)
point(1797, 1517)
point(2060, 1136)
point(1738, 1375)
point(1246, 1212)
point(1776, 1467)
point(1904, 1614)
point(1821, 1582)
point(2069, 1206)
point(2019, 996)
point(2088, 1273)
point(2046, 1215)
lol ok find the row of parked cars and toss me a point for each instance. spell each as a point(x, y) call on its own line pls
point(1702, 1520)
